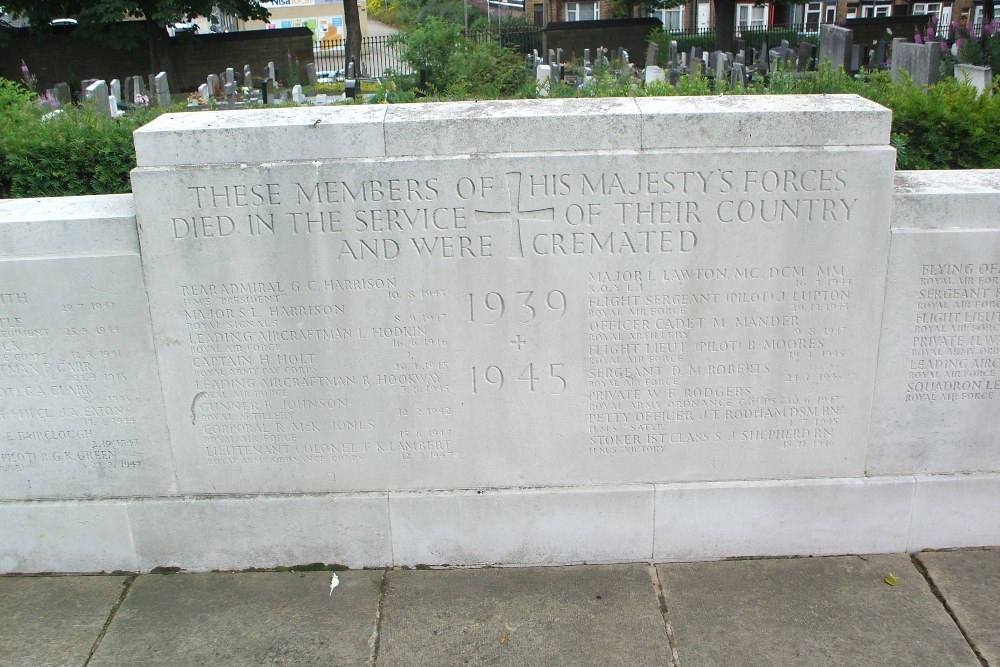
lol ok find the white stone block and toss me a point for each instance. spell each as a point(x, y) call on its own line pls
point(515, 320)
point(654, 74)
point(523, 526)
point(81, 414)
point(65, 537)
point(937, 399)
point(235, 533)
point(261, 135)
point(512, 126)
point(713, 520)
point(740, 121)
point(952, 199)
point(955, 511)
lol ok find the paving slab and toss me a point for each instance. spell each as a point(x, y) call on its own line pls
point(239, 619)
point(584, 615)
point(969, 581)
point(811, 612)
point(53, 621)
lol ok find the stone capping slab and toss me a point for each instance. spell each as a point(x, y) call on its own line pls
point(511, 126)
point(52, 226)
point(261, 135)
point(952, 199)
point(763, 120)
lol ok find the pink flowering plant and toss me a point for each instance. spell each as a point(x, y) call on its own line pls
point(969, 48)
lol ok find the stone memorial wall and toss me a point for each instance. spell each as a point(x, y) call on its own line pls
point(507, 332)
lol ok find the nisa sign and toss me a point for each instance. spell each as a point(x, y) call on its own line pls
point(281, 4)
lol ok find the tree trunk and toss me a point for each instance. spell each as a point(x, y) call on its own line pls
point(352, 25)
point(160, 56)
point(725, 24)
point(988, 12)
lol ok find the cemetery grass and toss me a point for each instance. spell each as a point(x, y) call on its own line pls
point(79, 152)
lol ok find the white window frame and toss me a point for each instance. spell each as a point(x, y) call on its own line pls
point(869, 11)
point(573, 11)
point(814, 10)
point(676, 15)
point(830, 14)
point(751, 15)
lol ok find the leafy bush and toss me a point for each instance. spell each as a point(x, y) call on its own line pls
point(459, 67)
point(74, 151)
point(944, 126)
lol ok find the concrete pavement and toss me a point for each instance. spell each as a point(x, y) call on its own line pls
point(942, 610)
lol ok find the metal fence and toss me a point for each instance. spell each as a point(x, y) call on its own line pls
point(383, 53)
point(378, 54)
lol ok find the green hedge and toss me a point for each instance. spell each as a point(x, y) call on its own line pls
point(78, 152)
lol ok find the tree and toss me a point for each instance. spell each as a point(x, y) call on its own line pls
point(352, 29)
point(102, 20)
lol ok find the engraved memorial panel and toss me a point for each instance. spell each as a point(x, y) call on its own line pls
point(531, 319)
point(81, 413)
point(937, 402)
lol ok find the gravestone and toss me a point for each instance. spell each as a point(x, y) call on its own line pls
point(247, 77)
point(62, 92)
point(652, 51)
point(738, 75)
point(161, 88)
point(115, 90)
point(311, 74)
point(212, 81)
point(654, 73)
point(204, 93)
point(921, 62)
point(229, 76)
point(297, 95)
point(806, 57)
point(229, 91)
point(272, 73)
point(543, 76)
point(835, 45)
point(97, 93)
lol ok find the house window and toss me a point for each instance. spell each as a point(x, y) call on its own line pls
point(813, 12)
point(754, 16)
point(583, 11)
point(868, 11)
point(831, 14)
point(672, 19)
point(938, 9)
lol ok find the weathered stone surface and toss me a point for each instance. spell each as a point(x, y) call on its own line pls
point(711, 520)
point(969, 582)
point(809, 612)
point(81, 414)
point(597, 615)
point(284, 618)
point(53, 621)
point(71, 536)
point(522, 526)
point(504, 320)
point(236, 533)
point(937, 398)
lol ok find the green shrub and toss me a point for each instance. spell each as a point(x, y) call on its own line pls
point(74, 152)
point(459, 67)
